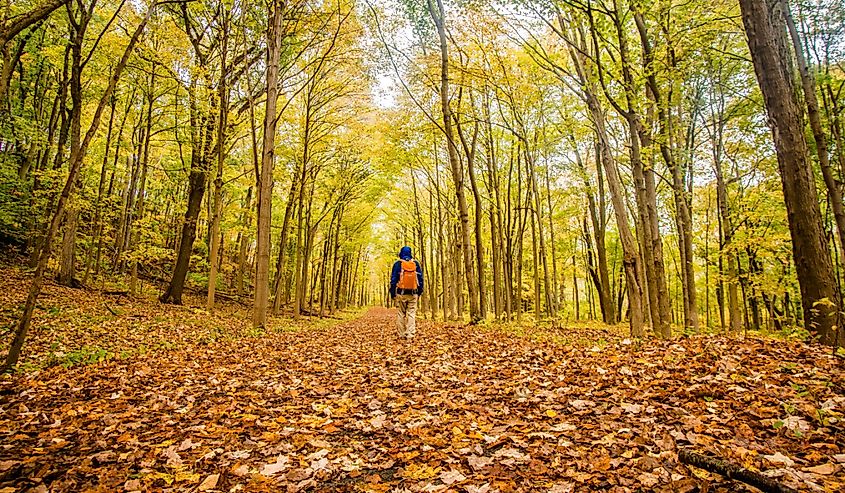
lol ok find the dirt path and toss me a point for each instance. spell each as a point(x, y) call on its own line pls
point(351, 408)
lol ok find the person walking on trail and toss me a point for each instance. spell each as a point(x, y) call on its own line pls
point(406, 286)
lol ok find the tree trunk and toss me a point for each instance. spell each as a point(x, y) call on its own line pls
point(278, 279)
point(243, 243)
point(98, 212)
point(138, 213)
point(196, 189)
point(535, 268)
point(479, 241)
point(223, 98)
point(601, 279)
point(640, 138)
point(631, 261)
point(725, 250)
point(265, 180)
point(438, 16)
point(78, 29)
point(766, 31)
point(808, 83)
point(683, 219)
point(554, 298)
point(537, 207)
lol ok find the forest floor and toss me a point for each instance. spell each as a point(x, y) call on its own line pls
point(161, 398)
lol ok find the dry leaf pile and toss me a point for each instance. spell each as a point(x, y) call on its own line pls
point(465, 409)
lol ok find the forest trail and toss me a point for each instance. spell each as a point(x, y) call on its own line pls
point(351, 408)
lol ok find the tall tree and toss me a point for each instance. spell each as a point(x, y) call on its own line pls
point(203, 122)
point(438, 17)
point(265, 177)
point(765, 27)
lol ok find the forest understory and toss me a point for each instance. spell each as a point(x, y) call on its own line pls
point(167, 398)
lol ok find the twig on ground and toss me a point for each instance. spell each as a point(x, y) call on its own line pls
point(733, 471)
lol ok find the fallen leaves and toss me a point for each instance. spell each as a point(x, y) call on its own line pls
point(209, 483)
point(348, 408)
point(778, 459)
point(824, 469)
point(452, 476)
point(276, 467)
point(478, 463)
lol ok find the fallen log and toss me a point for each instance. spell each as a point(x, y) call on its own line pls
point(733, 471)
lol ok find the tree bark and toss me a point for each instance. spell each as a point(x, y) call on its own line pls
point(242, 243)
point(283, 243)
point(223, 98)
point(683, 217)
point(725, 248)
point(265, 180)
point(79, 27)
point(601, 278)
point(469, 151)
point(808, 84)
point(438, 16)
point(766, 31)
point(196, 190)
point(630, 255)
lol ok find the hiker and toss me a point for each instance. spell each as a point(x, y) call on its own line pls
point(406, 286)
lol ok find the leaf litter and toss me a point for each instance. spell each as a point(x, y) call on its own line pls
point(465, 409)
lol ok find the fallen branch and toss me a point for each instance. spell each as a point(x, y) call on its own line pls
point(111, 310)
point(734, 472)
point(114, 292)
point(231, 297)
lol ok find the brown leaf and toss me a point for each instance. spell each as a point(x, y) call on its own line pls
point(276, 467)
point(823, 469)
point(132, 485)
point(209, 483)
point(452, 476)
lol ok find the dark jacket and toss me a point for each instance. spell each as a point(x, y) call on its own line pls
point(404, 254)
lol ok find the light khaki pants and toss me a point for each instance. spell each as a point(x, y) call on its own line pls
point(406, 319)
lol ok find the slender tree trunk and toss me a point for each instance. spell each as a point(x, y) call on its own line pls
point(223, 97)
point(494, 214)
point(438, 16)
point(479, 241)
point(725, 250)
point(507, 234)
point(537, 207)
point(640, 138)
point(683, 220)
point(79, 28)
point(283, 243)
point(553, 291)
point(201, 137)
point(243, 243)
point(265, 180)
point(535, 270)
point(601, 280)
point(575, 296)
point(138, 213)
point(98, 213)
point(630, 255)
